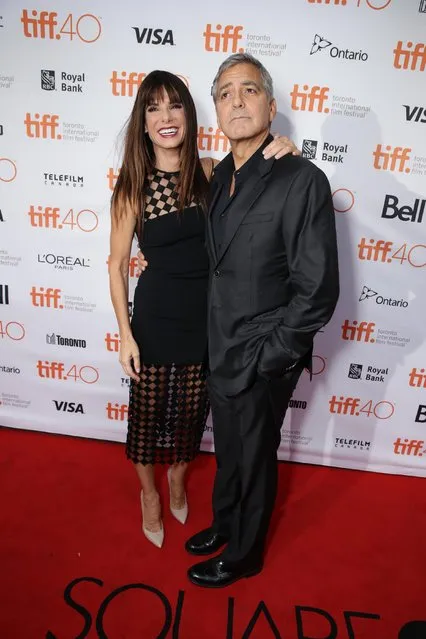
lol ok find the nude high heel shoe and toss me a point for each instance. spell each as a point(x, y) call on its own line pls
point(180, 514)
point(155, 538)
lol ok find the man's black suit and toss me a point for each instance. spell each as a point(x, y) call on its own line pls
point(273, 285)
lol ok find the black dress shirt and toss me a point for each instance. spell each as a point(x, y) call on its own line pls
point(225, 203)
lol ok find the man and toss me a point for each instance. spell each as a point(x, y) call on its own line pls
point(273, 285)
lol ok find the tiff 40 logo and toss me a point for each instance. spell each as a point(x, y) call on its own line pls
point(12, 330)
point(8, 170)
point(47, 25)
point(377, 5)
point(382, 251)
point(352, 406)
point(56, 370)
point(48, 217)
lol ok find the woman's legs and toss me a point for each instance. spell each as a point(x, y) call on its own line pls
point(151, 498)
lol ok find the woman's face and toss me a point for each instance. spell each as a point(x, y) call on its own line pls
point(165, 123)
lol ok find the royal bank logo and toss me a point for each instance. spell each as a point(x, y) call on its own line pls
point(309, 149)
point(355, 371)
point(68, 82)
point(330, 151)
point(321, 44)
point(48, 80)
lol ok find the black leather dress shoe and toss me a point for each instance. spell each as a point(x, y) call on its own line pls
point(205, 542)
point(217, 573)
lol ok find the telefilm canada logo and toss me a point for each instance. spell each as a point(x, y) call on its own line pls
point(330, 152)
point(63, 179)
point(354, 444)
point(322, 44)
point(63, 81)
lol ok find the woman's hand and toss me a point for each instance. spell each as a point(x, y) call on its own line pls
point(130, 358)
point(142, 263)
point(279, 147)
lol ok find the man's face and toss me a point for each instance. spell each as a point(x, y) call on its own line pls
point(242, 106)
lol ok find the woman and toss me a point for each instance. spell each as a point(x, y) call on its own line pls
point(161, 195)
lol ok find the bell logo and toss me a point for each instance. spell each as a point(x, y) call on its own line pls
point(417, 378)
point(214, 140)
point(421, 414)
point(47, 298)
point(127, 84)
point(112, 178)
point(307, 99)
point(361, 332)
point(112, 342)
point(391, 159)
point(220, 41)
point(42, 126)
point(405, 57)
point(8, 170)
point(116, 411)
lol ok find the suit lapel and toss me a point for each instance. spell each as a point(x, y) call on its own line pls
point(244, 201)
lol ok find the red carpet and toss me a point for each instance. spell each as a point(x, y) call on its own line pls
point(346, 558)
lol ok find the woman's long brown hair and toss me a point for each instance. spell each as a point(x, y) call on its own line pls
point(139, 159)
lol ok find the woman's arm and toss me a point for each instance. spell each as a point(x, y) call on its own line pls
point(120, 246)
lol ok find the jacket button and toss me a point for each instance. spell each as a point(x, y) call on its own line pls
point(216, 273)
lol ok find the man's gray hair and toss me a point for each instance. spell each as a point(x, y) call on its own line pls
point(244, 58)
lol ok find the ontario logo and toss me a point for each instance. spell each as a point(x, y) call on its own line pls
point(368, 294)
point(322, 44)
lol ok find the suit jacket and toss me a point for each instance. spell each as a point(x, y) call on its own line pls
point(275, 282)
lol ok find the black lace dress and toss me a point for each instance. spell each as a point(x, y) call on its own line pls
point(168, 407)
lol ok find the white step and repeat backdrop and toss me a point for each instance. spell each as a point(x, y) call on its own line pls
point(350, 80)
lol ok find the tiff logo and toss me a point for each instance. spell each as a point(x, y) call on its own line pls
point(112, 342)
point(117, 411)
point(391, 160)
point(4, 294)
point(417, 378)
point(45, 217)
point(409, 447)
point(48, 298)
point(210, 141)
point(307, 99)
point(112, 178)
point(127, 84)
point(42, 128)
point(50, 370)
point(344, 405)
point(220, 41)
point(403, 56)
point(335, 2)
point(421, 414)
point(355, 332)
point(377, 251)
point(40, 25)
point(416, 113)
